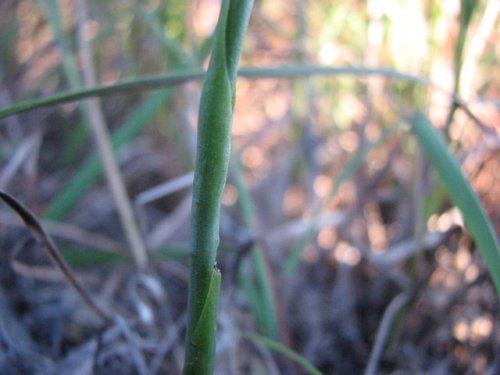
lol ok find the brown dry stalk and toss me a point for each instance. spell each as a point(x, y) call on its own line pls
point(50, 248)
point(103, 141)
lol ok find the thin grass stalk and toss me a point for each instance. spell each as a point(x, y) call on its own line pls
point(260, 292)
point(383, 332)
point(155, 82)
point(51, 249)
point(280, 348)
point(103, 141)
point(212, 160)
point(176, 78)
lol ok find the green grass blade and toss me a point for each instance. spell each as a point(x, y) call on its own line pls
point(460, 192)
point(179, 77)
point(146, 83)
point(88, 258)
point(256, 306)
point(280, 348)
point(259, 294)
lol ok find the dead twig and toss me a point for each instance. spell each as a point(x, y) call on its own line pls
point(102, 139)
point(50, 248)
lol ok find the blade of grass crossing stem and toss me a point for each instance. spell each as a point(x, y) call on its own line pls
point(90, 171)
point(276, 346)
point(212, 159)
point(460, 192)
point(260, 295)
point(154, 82)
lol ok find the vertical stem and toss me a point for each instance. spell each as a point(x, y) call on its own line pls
point(212, 159)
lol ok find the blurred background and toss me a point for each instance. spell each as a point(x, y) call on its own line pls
point(331, 214)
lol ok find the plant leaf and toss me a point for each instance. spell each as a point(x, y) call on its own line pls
point(155, 82)
point(460, 192)
point(280, 348)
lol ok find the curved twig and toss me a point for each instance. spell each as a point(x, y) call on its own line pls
point(50, 248)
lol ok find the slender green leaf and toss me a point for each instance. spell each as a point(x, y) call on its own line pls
point(460, 192)
point(147, 83)
point(259, 294)
point(87, 257)
point(280, 348)
point(155, 82)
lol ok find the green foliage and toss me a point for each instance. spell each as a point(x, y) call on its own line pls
point(154, 82)
point(258, 289)
point(461, 193)
point(276, 346)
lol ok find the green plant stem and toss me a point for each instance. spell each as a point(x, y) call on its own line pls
point(212, 159)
